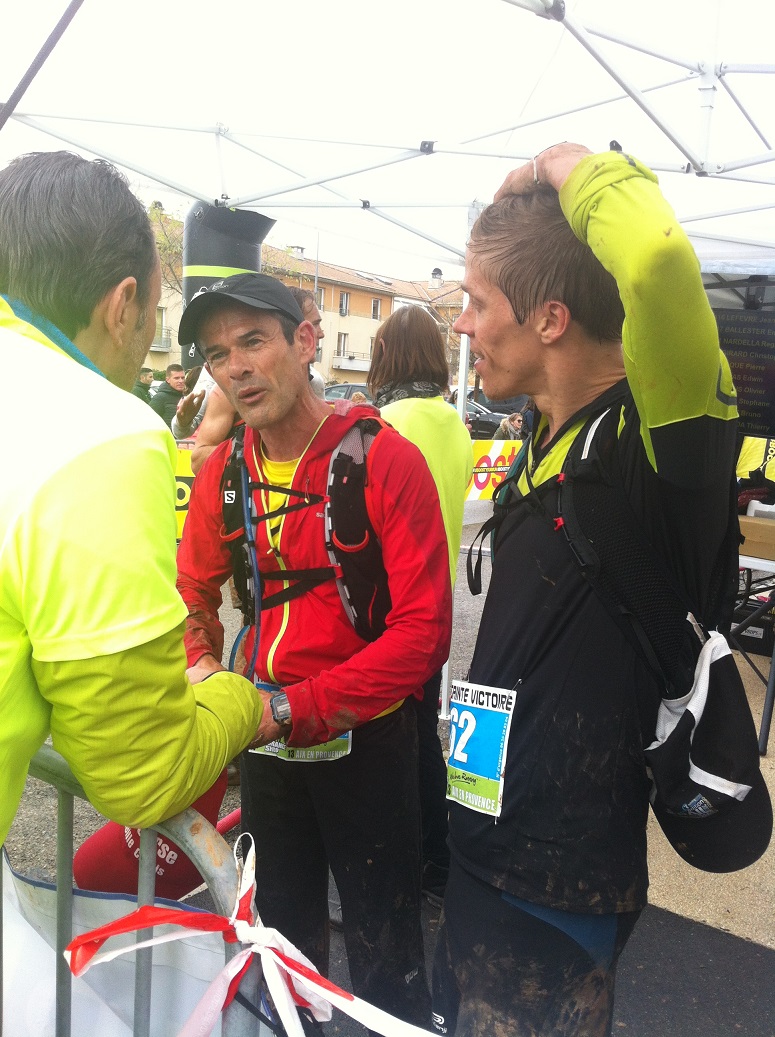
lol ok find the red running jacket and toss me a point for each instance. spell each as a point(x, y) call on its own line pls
point(334, 680)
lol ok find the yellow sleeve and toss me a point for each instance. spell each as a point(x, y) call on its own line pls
point(141, 739)
point(670, 340)
point(95, 560)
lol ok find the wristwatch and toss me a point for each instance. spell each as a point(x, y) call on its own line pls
point(281, 709)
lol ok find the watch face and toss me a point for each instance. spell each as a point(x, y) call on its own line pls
point(281, 708)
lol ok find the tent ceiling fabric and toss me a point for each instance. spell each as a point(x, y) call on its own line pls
point(317, 115)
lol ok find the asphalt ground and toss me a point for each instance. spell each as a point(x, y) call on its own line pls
point(701, 962)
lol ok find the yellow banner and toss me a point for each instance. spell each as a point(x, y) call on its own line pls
point(184, 477)
point(492, 459)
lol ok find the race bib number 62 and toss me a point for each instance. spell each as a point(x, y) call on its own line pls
point(480, 720)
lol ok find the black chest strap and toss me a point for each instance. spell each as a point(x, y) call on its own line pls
point(354, 550)
point(617, 558)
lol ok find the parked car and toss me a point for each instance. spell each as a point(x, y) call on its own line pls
point(484, 423)
point(508, 406)
point(345, 390)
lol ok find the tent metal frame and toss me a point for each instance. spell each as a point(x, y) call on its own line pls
point(708, 75)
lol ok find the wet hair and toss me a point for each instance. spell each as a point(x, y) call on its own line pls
point(413, 351)
point(526, 247)
point(303, 296)
point(71, 230)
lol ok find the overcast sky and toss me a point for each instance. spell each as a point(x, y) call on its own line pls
point(385, 77)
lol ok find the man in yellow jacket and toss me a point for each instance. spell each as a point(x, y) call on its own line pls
point(91, 626)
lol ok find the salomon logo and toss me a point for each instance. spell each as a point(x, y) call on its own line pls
point(216, 286)
point(229, 496)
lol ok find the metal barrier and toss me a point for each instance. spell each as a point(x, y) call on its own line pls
point(199, 840)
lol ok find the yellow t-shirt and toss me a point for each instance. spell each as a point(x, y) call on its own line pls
point(436, 430)
point(278, 473)
point(87, 572)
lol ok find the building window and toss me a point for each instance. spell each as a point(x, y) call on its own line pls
point(376, 309)
point(344, 304)
point(341, 343)
point(162, 339)
point(320, 295)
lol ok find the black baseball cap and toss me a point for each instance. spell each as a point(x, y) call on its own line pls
point(256, 290)
point(730, 840)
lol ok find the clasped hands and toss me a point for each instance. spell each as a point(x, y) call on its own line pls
point(268, 729)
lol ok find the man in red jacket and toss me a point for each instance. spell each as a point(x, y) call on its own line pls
point(331, 778)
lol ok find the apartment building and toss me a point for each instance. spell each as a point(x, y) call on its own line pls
point(352, 303)
point(165, 349)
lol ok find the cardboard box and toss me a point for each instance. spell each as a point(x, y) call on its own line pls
point(759, 536)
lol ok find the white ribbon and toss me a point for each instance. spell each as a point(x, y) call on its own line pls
point(283, 977)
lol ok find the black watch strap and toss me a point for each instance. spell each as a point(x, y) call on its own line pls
point(281, 709)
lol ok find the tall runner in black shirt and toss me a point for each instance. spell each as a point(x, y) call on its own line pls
point(583, 292)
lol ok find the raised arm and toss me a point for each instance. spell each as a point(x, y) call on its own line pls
point(675, 368)
point(215, 427)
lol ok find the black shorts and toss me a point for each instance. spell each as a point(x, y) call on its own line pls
point(506, 967)
point(360, 815)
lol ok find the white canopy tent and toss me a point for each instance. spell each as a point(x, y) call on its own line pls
point(429, 106)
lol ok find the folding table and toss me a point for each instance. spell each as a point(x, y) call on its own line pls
point(750, 564)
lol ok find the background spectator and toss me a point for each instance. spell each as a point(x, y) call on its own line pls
point(142, 387)
point(167, 397)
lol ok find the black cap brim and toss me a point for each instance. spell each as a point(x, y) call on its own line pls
point(199, 306)
point(730, 840)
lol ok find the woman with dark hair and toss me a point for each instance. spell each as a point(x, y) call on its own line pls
point(408, 378)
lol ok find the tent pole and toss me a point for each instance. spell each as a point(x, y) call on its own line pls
point(745, 163)
point(674, 59)
point(183, 128)
point(707, 89)
point(568, 111)
point(726, 212)
point(115, 159)
point(743, 110)
point(10, 105)
point(736, 240)
point(339, 194)
point(219, 132)
point(420, 234)
point(320, 180)
point(583, 38)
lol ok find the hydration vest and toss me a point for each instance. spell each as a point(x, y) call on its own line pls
point(353, 547)
point(613, 552)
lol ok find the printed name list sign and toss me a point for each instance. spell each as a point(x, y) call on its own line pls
point(748, 339)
